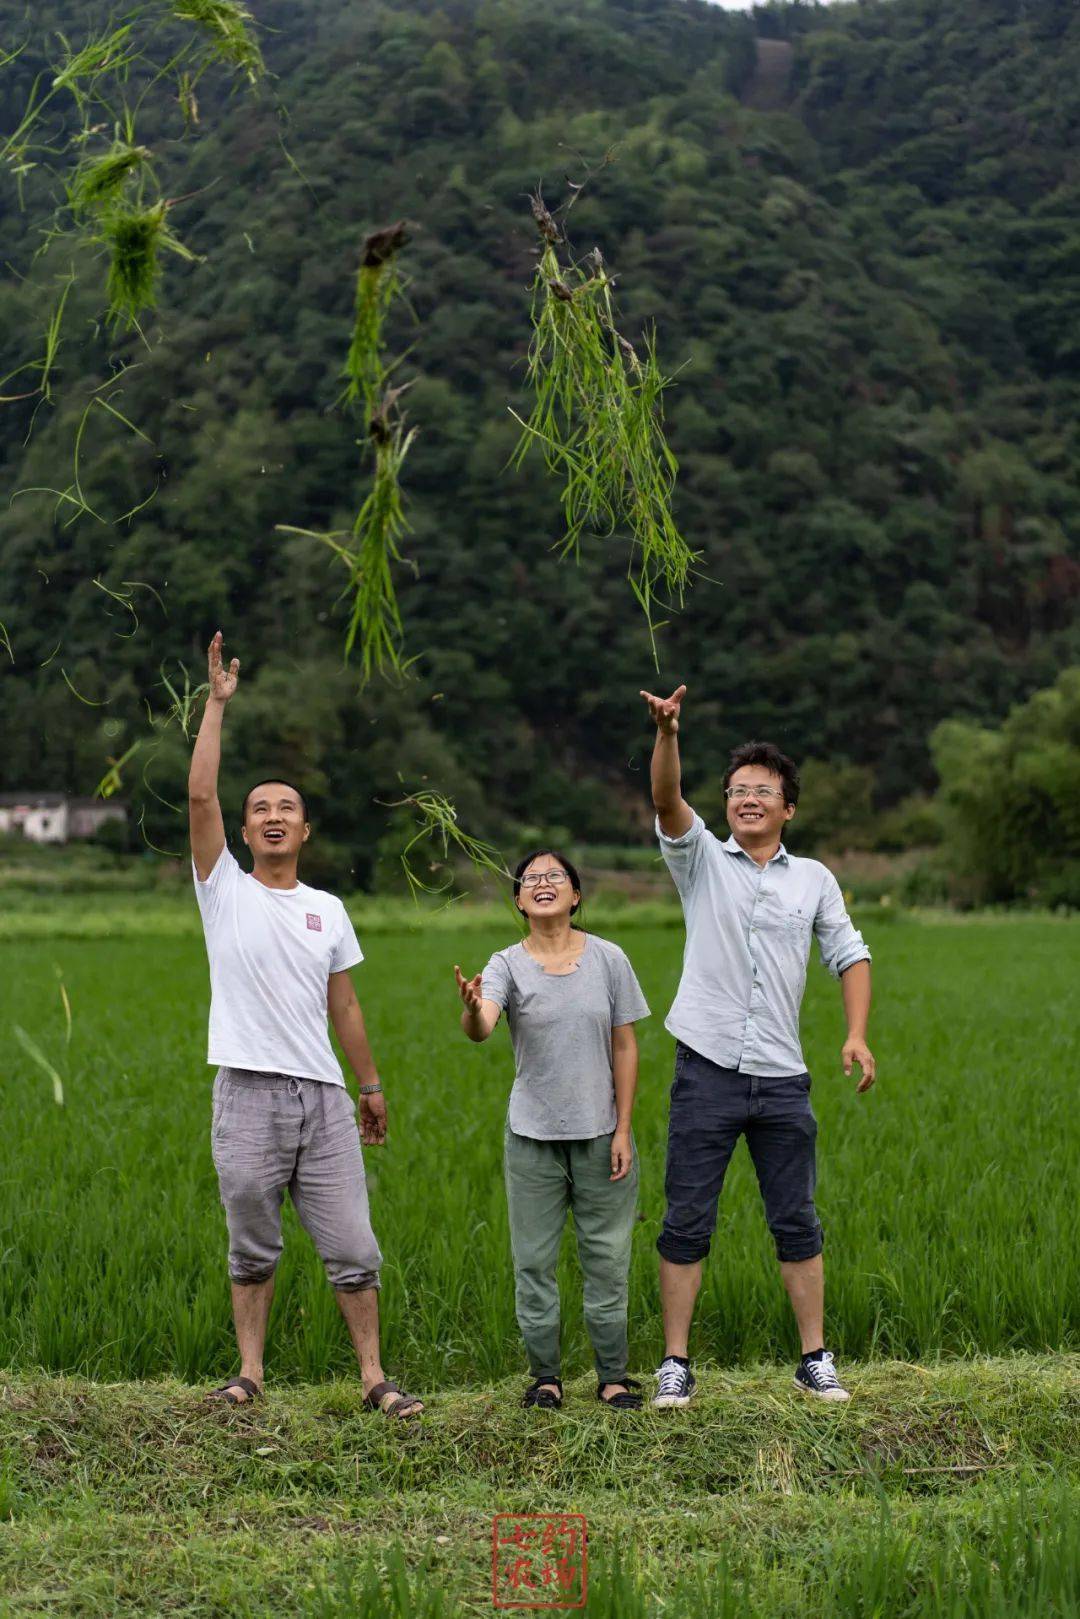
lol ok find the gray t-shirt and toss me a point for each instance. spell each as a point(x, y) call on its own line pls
point(560, 1025)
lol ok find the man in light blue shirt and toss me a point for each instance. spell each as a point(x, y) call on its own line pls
point(752, 911)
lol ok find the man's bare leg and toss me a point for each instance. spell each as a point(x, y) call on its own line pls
point(805, 1283)
point(361, 1311)
point(251, 1312)
point(679, 1285)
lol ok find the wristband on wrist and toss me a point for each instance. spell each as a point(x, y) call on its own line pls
point(369, 1090)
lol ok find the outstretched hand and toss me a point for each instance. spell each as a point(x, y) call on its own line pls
point(664, 711)
point(470, 990)
point(223, 682)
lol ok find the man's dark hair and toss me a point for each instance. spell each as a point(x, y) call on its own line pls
point(261, 781)
point(567, 865)
point(769, 757)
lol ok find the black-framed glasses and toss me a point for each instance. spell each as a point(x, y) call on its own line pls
point(533, 879)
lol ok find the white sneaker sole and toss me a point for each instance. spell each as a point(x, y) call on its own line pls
point(663, 1402)
point(836, 1396)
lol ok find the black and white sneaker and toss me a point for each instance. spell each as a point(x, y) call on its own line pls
point(674, 1384)
point(816, 1375)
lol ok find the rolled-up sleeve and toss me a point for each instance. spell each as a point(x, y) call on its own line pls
point(682, 856)
point(839, 940)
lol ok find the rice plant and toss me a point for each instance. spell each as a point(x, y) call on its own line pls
point(98, 181)
point(184, 698)
point(597, 416)
point(378, 281)
point(112, 781)
point(437, 824)
point(135, 237)
point(227, 26)
point(372, 548)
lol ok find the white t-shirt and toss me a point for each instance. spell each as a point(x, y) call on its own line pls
point(271, 952)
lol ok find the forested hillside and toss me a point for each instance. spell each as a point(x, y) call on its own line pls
point(871, 299)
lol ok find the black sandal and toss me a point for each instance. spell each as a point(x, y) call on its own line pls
point(399, 1408)
point(537, 1394)
point(624, 1401)
point(252, 1390)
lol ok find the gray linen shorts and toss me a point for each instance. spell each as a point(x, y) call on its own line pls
point(271, 1134)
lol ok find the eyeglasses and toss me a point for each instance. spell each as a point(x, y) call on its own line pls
point(767, 793)
point(533, 879)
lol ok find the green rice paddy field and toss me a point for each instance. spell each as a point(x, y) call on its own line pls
point(949, 1486)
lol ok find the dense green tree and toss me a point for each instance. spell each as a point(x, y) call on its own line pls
point(870, 297)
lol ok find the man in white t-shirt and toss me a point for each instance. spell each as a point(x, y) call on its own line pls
point(280, 954)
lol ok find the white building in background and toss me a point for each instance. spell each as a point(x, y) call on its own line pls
point(54, 817)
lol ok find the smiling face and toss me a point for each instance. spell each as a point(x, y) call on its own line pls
point(758, 818)
point(553, 896)
point(274, 824)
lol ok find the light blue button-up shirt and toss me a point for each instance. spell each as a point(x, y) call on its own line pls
point(748, 932)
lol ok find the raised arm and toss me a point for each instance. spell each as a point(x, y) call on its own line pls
point(479, 1016)
point(204, 811)
point(676, 816)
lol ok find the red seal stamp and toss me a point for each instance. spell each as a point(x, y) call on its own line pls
point(539, 1560)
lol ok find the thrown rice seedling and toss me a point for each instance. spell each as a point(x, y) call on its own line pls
point(109, 53)
point(135, 237)
point(184, 698)
point(98, 181)
point(378, 281)
point(112, 781)
point(372, 548)
point(598, 419)
point(437, 824)
point(227, 26)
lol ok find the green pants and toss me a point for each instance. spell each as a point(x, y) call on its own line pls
point(543, 1180)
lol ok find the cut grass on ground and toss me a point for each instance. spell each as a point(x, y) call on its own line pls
point(951, 1490)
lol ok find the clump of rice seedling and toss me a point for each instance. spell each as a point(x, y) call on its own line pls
point(437, 823)
point(378, 280)
point(598, 418)
point(97, 182)
point(374, 545)
point(372, 548)
point(227, 25)
point(135, 237)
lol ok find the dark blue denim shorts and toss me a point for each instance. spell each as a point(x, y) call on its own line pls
point(711, 1107)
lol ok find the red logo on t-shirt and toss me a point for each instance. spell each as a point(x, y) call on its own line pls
point(314, 922)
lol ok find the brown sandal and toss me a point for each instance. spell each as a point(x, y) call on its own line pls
point(401, 1406)
point(252, 1390)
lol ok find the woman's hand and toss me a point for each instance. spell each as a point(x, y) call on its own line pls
point(622, 1155)
point(470, 990)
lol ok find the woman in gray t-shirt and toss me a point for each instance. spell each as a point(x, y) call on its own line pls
point(571, 1001)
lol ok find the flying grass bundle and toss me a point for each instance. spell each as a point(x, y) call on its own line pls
point(227, 27)
point(374, 545)
point(378, 281)
point(98, 182)
point(598, 419)
point(135, 238)
point(437, 825)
